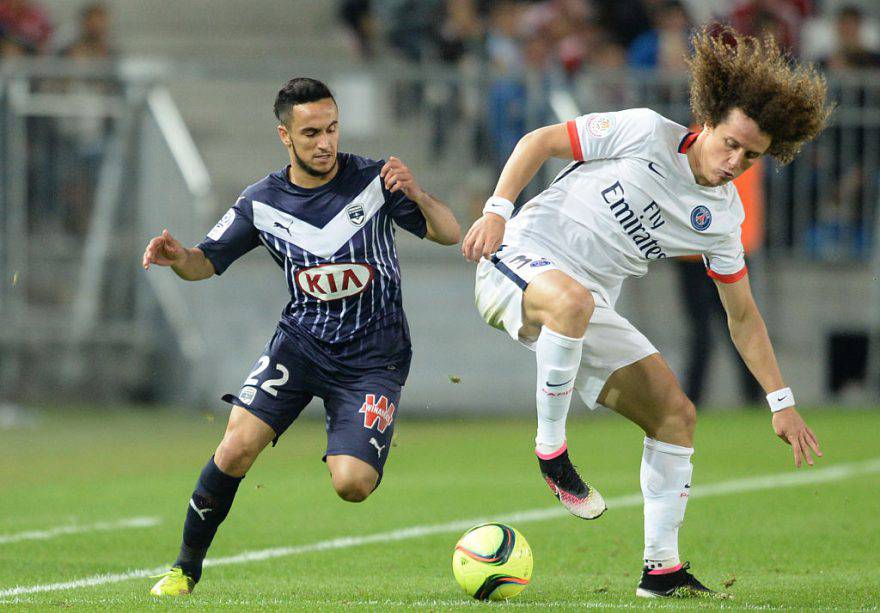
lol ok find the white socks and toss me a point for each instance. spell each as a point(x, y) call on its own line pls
point(558, 358)
point(666, 480)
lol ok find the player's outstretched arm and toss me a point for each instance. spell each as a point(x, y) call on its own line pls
point(442, 225)
point(749, 334)
point(189, 264)
point(532, 150)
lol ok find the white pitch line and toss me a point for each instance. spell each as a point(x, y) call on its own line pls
point(101, 526)
point(736, 486)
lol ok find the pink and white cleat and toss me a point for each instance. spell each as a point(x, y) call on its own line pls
point(580, 499)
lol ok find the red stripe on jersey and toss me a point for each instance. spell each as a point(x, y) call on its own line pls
point(576, 151)
point(733, 278)
point(687, 141)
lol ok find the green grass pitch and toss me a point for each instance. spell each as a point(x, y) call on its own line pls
point(809, 545)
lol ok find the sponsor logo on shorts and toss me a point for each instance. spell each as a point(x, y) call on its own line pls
point(356, 214)
point(701, 218)
point(379, 413)
point(600, 126)
point(378, 447)
point(247, 394)
point(335, 281)
point(520, 261)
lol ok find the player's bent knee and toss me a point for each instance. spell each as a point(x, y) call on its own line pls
point(679, 420)
point(569, 310)
point(235, 454)
point(688, 414)
point(353, 479)
point(574, 302)
point(354, 490)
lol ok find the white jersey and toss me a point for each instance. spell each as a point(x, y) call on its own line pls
point(630, 198)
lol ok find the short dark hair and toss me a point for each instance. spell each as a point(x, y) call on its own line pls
point(299, 90)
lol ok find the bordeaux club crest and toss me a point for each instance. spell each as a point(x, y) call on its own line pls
point(355, 214)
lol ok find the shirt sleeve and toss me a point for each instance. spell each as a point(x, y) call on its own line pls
point(726, 261)
point(405, 213)
point(611, 135)
point(232, 236)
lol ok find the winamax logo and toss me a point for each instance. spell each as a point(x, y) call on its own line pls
point(329, 282)
point(379, 413)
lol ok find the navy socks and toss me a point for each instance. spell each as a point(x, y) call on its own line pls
point(208, 507)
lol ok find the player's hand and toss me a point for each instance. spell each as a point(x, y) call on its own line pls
point(398, 177)
point(164, 250)
point(484, 237)
point(790, 427)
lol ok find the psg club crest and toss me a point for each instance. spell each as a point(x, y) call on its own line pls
point(356, 215)
point(378, 413)
point(701, 218)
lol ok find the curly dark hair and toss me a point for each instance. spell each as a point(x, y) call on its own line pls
point(785, 98)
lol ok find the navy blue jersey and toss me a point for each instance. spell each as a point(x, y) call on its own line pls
point(336, 246)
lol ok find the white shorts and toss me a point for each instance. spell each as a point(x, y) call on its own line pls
point(610, 343)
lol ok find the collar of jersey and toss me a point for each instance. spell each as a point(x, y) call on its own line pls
point(284, 177)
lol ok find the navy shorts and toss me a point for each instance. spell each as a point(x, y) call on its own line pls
point(361, 407)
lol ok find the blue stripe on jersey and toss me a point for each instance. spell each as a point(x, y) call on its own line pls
point(336, 246)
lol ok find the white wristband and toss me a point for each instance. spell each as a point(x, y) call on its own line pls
point(499, 206)
point(780, 399)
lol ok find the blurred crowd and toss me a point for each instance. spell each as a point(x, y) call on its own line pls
point(560, 41)
point(528, 48)
point(584, 46)
point(614, 54)
point(64, 154)
point(27, 30)
point(572, 35)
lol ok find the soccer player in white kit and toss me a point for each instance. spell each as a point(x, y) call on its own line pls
point(642, 188)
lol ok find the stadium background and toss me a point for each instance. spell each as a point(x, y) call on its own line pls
point(119, 119)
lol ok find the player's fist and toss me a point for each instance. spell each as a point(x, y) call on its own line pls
point(164, 250)
point(398, 177)
point(484, 237)
point(790, 427)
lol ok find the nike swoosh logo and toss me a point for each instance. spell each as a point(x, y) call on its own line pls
point(651, 167)
point(780, 399)
point(559, 384)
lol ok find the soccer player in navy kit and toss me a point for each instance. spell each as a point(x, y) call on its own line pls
point(327, 220)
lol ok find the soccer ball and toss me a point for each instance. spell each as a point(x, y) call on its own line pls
point(492, 562)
